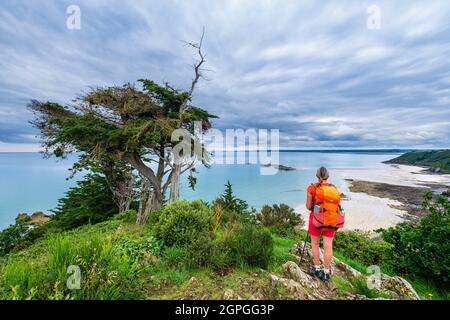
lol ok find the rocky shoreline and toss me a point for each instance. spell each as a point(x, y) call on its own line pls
point(410, 197)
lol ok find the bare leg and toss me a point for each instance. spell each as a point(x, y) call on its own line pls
point(315, 249)
point(328, 252)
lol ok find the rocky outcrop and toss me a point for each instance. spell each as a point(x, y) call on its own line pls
point(231, 295)
point(280, 167)
point(37, 218)
point(22, 217)
point(293, 271)
point(290, 286)
point(304, 286)
point(398, 288)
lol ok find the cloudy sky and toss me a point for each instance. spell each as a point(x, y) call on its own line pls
point(312, 69)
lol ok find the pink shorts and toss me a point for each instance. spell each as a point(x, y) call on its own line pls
point(313, 231)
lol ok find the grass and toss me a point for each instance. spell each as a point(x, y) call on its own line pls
point(109, 272)
point(282, 247)
point(428, 291)
point(105, 272)
point(352, 263)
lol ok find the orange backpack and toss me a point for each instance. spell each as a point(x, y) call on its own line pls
point(330, 214)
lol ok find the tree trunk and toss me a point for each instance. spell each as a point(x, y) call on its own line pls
point(151, 204)
point(175, 183)
point(154, 201)
point(124, 205)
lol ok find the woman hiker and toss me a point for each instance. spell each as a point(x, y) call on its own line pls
point(323, 201)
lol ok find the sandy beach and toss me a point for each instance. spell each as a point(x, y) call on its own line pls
point(384, 209)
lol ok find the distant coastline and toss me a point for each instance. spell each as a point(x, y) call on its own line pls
point(380, 151)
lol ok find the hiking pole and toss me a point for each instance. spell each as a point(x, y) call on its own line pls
point(304, 247)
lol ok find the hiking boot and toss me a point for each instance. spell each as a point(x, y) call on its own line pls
point(324, 276)
point(315, 272)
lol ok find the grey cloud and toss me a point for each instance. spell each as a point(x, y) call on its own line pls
point(312, 70)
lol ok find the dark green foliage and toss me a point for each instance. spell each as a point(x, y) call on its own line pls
point(250, 244)
point(136, 248)
point(229, 202)
point(91, 201)
point(106, 272)
point(422, 249)
point(182, 222)
point(437, 159)
point(12, 236)
point(207, 252)
point(122, 125)
point(175, 257)
point(280, 219)
point(359, 286)
point(126, 216)
point(359, 247)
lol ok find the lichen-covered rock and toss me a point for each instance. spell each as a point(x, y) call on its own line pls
point(398, 287)
point(231, 295)
point(293, 271)
point(297, 249)
point(355, 296)
point(289, 285)
point(258, 295)
point(345, 268)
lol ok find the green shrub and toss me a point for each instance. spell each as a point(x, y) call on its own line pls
point(422, 249)
point(126, 216)
point(280, 219)
point(235, 210)
point(175, 257)
point(138, 247)
point(105, 272)
point(360, 247)
point(182, 222)
point(199, 251)
point(229, 202)
point(12, 236)
point(89, 202)
point(207, 252)
point(153, 217)
point(359, 285)
point(250, 244)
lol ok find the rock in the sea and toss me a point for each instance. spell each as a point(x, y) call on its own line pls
point(344, 196)
point(446, 193)
point(398, 287)
point(279, 167)
point(231, 295)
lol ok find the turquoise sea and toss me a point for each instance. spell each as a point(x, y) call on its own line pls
point(30, 183)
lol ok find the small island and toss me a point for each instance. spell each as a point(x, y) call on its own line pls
point(436, 161)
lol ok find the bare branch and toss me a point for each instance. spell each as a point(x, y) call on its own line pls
point(197, 68)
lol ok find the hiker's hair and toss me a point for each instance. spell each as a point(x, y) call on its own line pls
point(322, 173)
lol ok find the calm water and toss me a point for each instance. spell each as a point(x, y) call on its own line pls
point(30, 183)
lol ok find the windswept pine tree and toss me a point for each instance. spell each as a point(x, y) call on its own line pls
point(121, 129)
